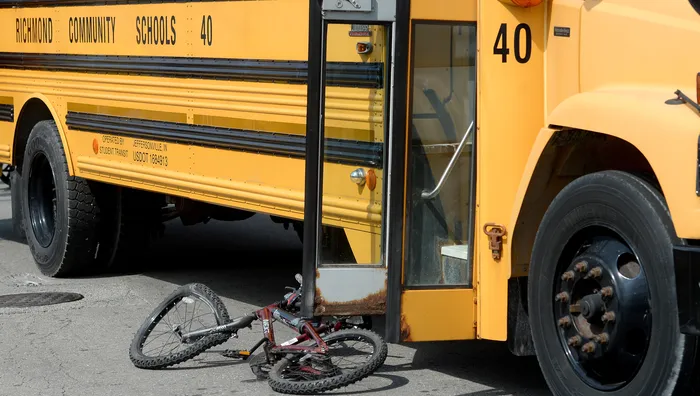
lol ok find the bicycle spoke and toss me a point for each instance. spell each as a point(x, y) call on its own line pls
point(176, 320)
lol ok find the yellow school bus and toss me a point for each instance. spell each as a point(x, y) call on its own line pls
point(524, 171)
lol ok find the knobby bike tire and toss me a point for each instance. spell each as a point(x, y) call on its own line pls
point(279, 384)
point(196, 290)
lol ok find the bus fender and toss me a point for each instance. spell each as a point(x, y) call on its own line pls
point(665, 130)
point(59, 125)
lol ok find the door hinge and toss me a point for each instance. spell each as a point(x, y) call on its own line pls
point(495, 233)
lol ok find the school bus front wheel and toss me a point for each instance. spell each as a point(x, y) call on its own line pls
point(600, 298)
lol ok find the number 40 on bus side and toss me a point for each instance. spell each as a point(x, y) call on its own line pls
point(207, 29)
point(500, 46)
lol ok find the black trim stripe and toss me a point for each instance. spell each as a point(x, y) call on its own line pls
point(7, 113)
point(350, 152)
point(395, 222)
point(74, 3)
point(313, 172)
point(342, 74)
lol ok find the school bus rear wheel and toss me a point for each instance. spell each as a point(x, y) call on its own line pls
point(601, 265)
point(61, 215)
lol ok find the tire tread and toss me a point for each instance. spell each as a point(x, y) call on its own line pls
point(283, 386)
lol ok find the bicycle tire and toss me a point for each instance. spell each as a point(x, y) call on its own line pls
point(196, 290)
point(259, 366)
point(281, 385)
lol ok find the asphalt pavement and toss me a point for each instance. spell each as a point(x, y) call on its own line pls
point(81, 347)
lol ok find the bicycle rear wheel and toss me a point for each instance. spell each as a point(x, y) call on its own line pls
point(313, 373)
point(169, 314)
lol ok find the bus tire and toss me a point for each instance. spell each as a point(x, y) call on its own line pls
point(60, 211)
point(620, 224)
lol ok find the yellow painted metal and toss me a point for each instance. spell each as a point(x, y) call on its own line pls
point(272, 30)
point(22, 96)
point(562, 58)
point(129, 112)
point(296, 129)
point(510, 98)
point(366, 246)
point(262, 30)
point(628, 96)
point(581, 81)
point(640, 116)
point(591, 85)
point(445, 10)
point(510, 109)
point(453, 309)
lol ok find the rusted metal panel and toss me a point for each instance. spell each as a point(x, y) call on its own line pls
point(355, 290)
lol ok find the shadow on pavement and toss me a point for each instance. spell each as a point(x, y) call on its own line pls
point(251, 261)
point(484, 362)
point(7, 233)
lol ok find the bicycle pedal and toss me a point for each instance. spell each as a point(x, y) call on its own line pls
point(236, 354)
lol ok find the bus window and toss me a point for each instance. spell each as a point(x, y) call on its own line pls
point(439, 227)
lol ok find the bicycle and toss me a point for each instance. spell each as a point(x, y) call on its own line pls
point(288, 367)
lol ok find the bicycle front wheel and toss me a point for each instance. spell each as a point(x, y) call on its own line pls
point(157, 343)
point(341, 366)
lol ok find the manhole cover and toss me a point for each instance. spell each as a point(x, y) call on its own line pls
point(37, 299)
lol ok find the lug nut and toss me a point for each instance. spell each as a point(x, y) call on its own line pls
point(581, 266)
point(575, 341)
point(567, 276)
point(595, 273)
point(609, 317)
point(564, 322)
point(588, 347)
point(607, 291)
point(602, 338)
point(562, 297)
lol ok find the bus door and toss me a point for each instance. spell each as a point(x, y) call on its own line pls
point(416, 266)
point(348, 158)
point(439, 218)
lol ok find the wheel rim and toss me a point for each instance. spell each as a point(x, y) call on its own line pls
point(316, 367)
point(42, 200)
point(171, 323)
point(602, 311)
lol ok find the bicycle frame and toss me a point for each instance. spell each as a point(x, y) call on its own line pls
point(265, 315)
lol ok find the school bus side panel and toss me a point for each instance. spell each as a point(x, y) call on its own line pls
point(511, 113)
point(630, 94)
point(194, 69)
point(7, 126)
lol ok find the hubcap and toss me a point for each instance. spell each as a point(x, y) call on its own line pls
point(603, 313)
point(42, 200)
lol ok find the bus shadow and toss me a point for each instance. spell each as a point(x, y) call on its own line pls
point(251, 261)
point(481, 362)
point(7, 233)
